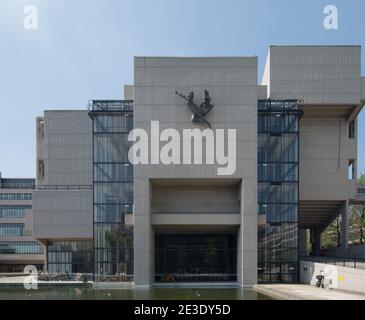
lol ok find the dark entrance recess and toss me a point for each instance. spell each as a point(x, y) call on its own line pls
point(195, 258)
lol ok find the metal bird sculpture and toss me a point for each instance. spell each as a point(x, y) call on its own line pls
point(199, 112)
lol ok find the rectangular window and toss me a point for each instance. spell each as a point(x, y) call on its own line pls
point(352, 129)
point(13, 212)
point(18, 183)
point(70, 256)
point(40, 170)
point(15, 196)
point(351, 170)
point(20, 247)
point(12, 229)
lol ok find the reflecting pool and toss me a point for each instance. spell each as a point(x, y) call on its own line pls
point(64, 292)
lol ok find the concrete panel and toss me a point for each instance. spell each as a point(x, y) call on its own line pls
point(62, 214)
point(195, 219)
point(262, 92)
point(198, 199)
point(67, 148)
point(325, 149)
point(316, 74)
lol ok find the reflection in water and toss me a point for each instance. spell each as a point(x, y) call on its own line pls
point(87, 293)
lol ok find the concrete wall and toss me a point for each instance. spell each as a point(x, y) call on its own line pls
point(232, 83)
point(342, 278)
point(316, 74)
point(66, 148)
point(195, 199)
point(128, 92)
point(262, 92)
point(62, 214)
point(325, 150)
point(64, 145)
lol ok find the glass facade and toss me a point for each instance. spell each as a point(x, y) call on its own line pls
point(15, 196)
point(19, 268)
point(70, 256)
point(13, 212)
point(17, 183)
point(278, 184)
point(195, 257)
point(12, 229)
point(20, 247)
point(113, 190)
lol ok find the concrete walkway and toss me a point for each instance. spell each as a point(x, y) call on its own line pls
point(306, 292)
point(20, 280)
point(15, 279)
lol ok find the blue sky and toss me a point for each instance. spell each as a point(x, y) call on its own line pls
point(83, 49)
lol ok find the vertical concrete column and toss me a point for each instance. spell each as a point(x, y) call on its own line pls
point(345, 227)
point(143, 235)
point(302, 242)
point(45, 250)
point(316, 240)
point(247, 235)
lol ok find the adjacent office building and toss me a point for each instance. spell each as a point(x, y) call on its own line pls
point(296, 164)
point(18, 247)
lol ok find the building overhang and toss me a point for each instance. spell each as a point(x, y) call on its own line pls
point(349, 112)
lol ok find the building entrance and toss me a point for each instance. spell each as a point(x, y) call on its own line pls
point(195, 257)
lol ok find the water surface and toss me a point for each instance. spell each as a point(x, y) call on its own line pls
point(87, 293)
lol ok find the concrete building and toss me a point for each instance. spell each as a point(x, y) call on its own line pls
point(296, 163)
point(328, 81)
point(62, 201)
point(18, 247)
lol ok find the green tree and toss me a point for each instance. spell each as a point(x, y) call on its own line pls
point(357, 224)
point(332, 235)
point(361, 178)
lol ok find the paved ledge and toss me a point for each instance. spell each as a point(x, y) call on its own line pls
point(113, 285)
point(19, 280)
point(200, 285)
point(305, 292)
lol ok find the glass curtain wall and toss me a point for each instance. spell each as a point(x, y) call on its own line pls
point(113, 190)
point(70, 257)
point(278, 183)
point(20, 247)
point(195, 257)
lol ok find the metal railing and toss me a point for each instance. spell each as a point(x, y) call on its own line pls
point(360, 189)
point(110, 105)
point(64, 187)
point(344, 261)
